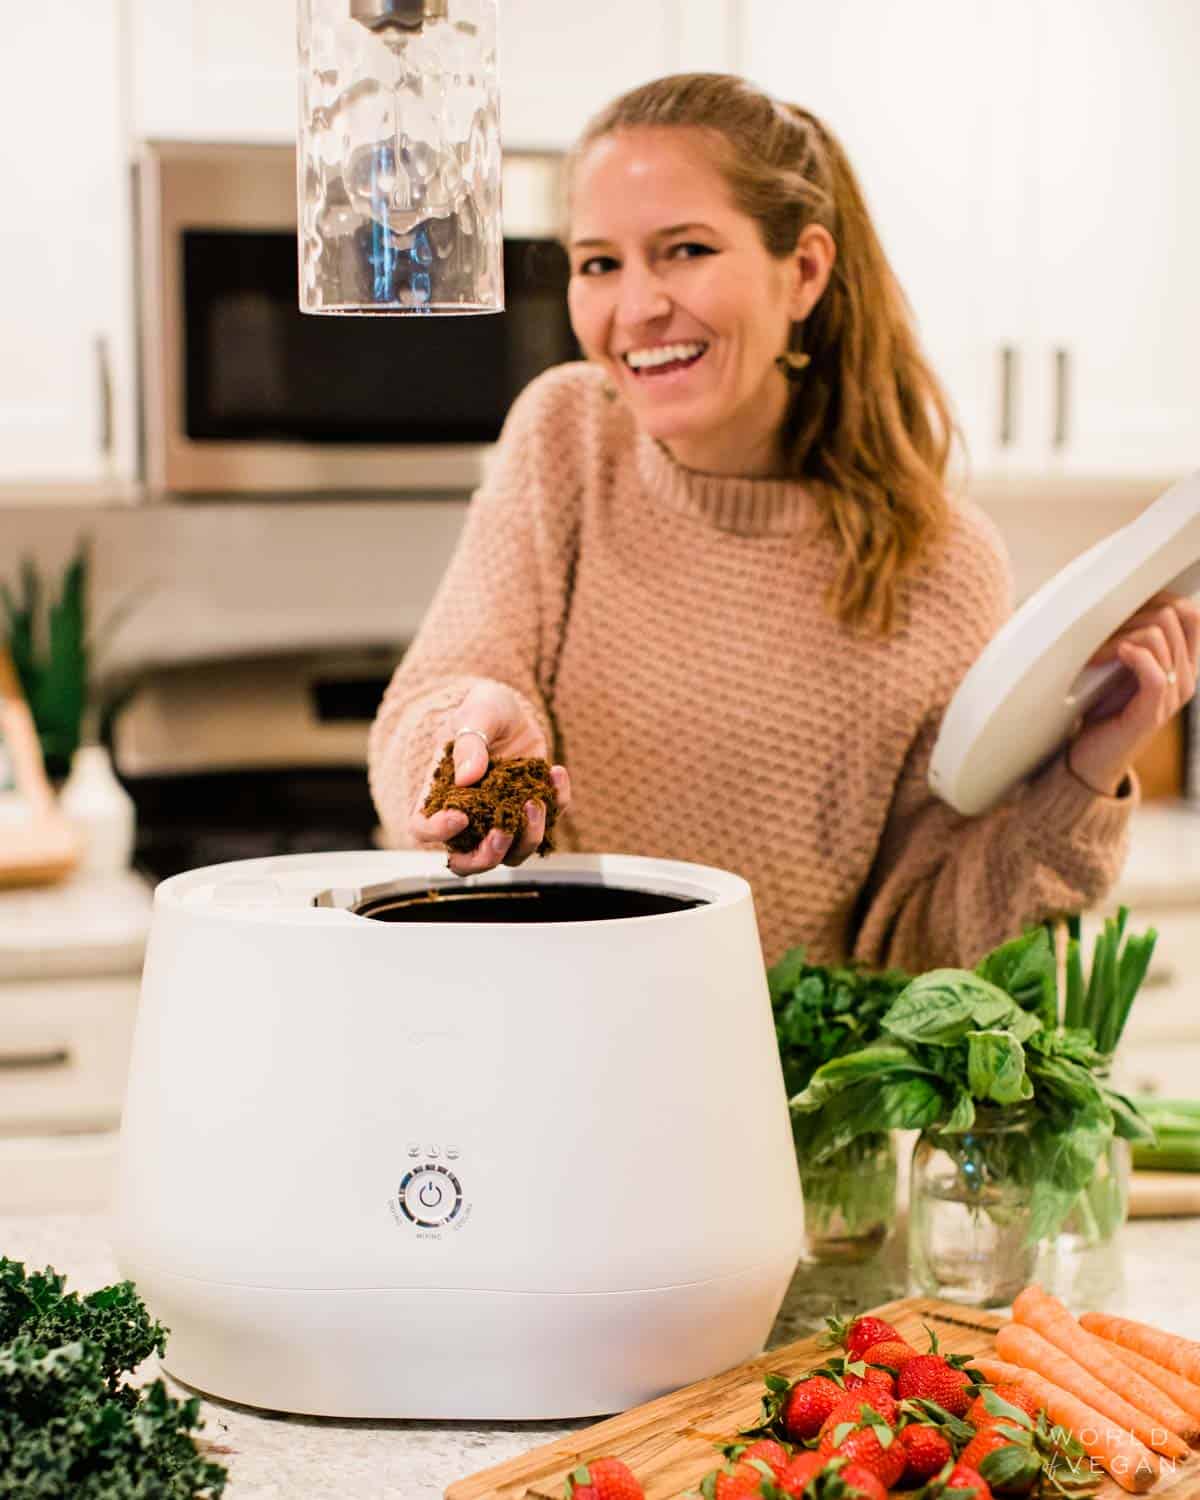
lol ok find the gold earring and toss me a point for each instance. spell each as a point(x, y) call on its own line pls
point(790, 365)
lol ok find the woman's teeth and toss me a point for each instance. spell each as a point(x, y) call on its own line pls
point(666, 356)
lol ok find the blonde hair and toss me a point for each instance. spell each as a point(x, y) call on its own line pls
point(868, 426)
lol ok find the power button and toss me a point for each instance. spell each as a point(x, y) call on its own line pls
point(430, 1196)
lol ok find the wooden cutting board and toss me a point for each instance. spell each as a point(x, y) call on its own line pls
point(669, 1443)
point(1164, 1195)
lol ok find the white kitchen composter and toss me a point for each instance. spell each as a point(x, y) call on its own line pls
point(1016, 706)
point(398, 1144)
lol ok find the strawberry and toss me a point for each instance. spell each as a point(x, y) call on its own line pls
point(926, 1451)
point(860, 1334)
point(808, 1404)
point(767, 1451)
point(979, 1413)
point(741, 1482)
point(864, 1482)
point(603, 1479)
point(893, 1352)
point(871, 1378)
point(800, 1472)
point(929, 1377)
point(1016, 1472)
point(963, 1478)
point(872, 1444)
point(850, 1409)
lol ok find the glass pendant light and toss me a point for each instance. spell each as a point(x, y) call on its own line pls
point(398, 157)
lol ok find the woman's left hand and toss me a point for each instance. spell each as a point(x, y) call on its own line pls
point(1160, 645)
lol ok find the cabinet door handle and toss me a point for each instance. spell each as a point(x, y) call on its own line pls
point(26, 1062)
point(1008, 395)
point(105, 395)
point(1062, 396)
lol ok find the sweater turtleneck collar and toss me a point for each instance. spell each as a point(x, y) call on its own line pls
point(751, 507)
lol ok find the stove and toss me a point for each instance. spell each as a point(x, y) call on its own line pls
point(248, 757)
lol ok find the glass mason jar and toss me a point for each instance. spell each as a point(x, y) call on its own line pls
point(850, 1200)
point(969, 1209)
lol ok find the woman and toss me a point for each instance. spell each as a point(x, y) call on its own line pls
point(715, 573)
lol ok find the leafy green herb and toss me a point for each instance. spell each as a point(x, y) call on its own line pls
point(822, 1014)
point(939, 1008)
point(956, 1041)
point(996, 1067)
point(69, 1426)
point(1025, 969)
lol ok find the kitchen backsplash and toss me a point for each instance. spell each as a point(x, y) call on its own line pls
point(225, 577)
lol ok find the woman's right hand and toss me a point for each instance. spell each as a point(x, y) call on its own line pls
point(496, 711)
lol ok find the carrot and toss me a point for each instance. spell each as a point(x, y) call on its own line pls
point(996, 1372)
point(1049, 1317)
point(1025, 1347)
point(1183, 1392)
point(1180, 1355)
point(1130, 1464)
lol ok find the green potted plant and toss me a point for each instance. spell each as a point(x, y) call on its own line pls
point(55, 651)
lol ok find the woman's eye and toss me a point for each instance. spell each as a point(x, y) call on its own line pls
point(595, 265)
point(689, 250)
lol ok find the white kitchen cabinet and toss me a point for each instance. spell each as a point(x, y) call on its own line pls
point(1032, 172)
point(65, 318)
point(219, 71)
point(919, 132)
point(1116, 313)
point(64, 1052)
point(559, 64)
point(213, 71)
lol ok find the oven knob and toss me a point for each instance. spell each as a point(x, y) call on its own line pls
point(430, 1196)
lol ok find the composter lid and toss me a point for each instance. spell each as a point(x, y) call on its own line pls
point(1018, 704)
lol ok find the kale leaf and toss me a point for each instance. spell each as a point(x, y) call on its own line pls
point(70, 1429)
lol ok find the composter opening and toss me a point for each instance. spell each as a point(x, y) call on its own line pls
point(541, 901)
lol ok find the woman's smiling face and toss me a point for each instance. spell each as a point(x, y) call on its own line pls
point(674, 293)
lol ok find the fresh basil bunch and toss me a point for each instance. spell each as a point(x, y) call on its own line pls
point(955, 1040)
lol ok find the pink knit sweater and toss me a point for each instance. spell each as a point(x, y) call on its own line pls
point(668, 630)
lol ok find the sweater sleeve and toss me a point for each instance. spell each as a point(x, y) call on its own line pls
point(500, 608)
point(945, 889)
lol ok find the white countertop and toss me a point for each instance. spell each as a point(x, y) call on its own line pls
point(303, 1458)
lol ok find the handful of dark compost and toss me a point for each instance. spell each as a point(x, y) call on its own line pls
point(496, 801)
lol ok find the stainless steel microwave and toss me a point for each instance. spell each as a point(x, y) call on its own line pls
point(241, 393)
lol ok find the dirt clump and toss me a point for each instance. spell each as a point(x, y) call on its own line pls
point(496, 801)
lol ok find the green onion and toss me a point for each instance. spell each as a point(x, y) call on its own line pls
point(1102, 1005)
point(1073, 1015)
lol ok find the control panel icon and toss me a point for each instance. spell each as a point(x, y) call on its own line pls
point(430, 1196)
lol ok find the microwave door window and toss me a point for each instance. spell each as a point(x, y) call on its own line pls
point(258, 370)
